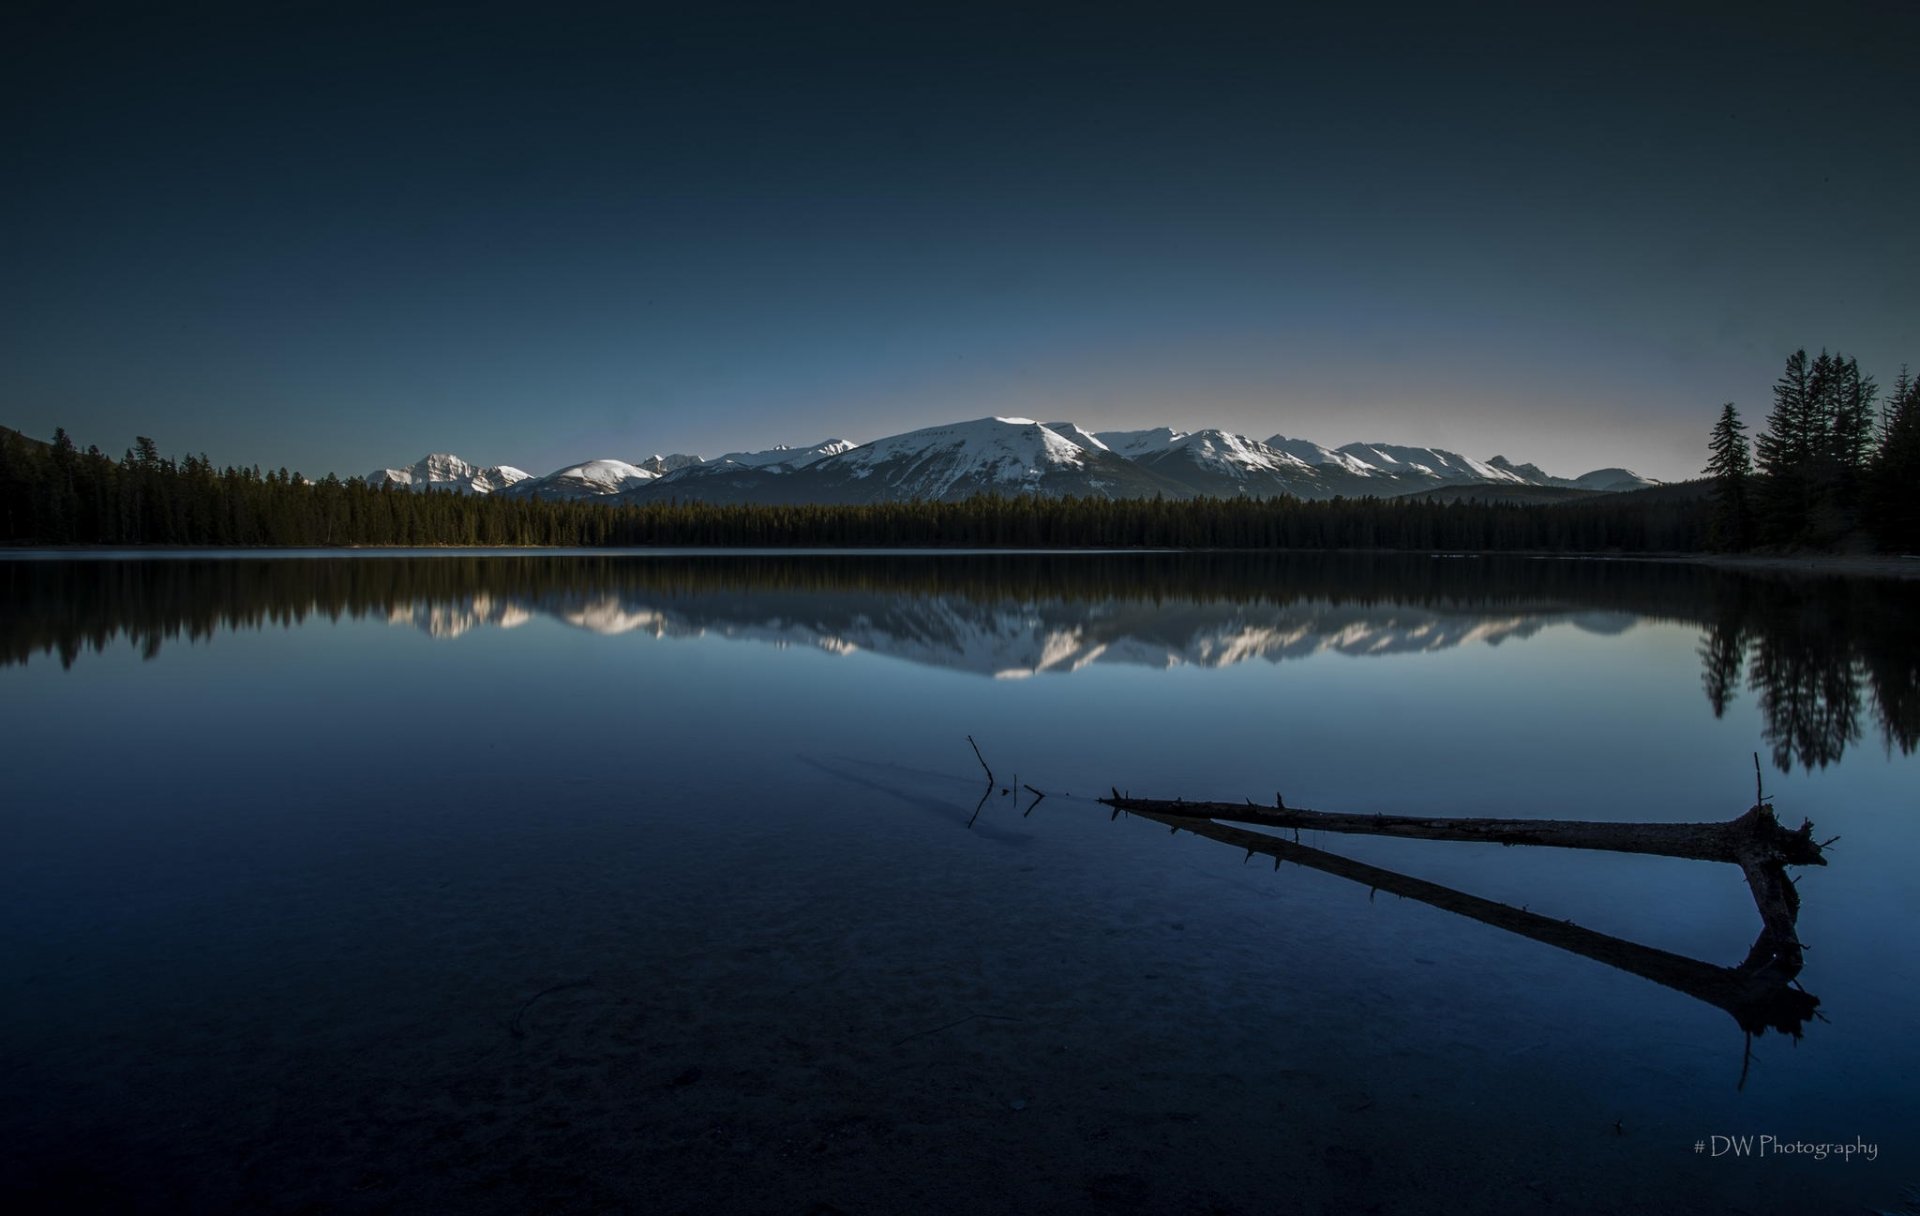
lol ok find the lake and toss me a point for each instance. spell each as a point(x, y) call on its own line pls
point(604, 881)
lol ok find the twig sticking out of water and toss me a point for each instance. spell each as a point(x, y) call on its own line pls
point(988, 792)
point(983, 760)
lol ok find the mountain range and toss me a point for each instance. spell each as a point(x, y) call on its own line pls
point(1011, 456)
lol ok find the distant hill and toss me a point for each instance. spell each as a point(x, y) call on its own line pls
point(10, 433)
point(1697, 490)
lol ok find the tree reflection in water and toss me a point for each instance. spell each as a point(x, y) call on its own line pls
point(1821, 656)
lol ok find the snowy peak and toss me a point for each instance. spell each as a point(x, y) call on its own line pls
point(446, 472)
point(1234, 454)
point(1222, 464)
point(1004, 453)
point(616, 475)
point(588, 479)
point(660, 466)
point(1005, 456)
point(1078, 436)
point(1135, 444)
point(783, 456)
point(1435, 463)
point(1312, 453)
point(1527, 472)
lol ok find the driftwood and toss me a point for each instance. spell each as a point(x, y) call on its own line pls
point(1755, 841)
point(1753, 837)
point(1759, 993)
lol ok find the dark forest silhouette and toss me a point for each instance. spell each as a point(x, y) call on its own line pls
point(1827, 472)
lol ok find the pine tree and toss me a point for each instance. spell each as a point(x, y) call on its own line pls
point(1852, 397)
point(1893, 478)
point(1731, 468)
point(1788, 451)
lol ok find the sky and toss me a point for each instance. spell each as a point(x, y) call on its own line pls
point(332, 237)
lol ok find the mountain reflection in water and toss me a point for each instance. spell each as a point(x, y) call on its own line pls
point(1821, 656)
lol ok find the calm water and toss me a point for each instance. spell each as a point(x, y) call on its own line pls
point(584, 882)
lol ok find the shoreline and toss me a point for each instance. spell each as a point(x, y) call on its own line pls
point(1886, 566)
point(1873, 565)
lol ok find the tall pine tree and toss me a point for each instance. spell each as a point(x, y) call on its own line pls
point(1893, 478)
point(1731, 467)
point(1795, 454)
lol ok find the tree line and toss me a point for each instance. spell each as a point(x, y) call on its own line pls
point(1826, 473)
point(56, 494)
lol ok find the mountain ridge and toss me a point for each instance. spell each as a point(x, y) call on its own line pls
point(1010, 455)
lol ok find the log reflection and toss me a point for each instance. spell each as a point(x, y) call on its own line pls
point(1759, 994)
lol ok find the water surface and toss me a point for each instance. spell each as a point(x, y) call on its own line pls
point(580, 882)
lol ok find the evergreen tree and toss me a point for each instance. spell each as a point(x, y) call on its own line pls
point(1852, 397)
point(1795, 440)
point(1893, 478)
point(1731, 468)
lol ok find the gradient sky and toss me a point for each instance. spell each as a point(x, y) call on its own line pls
point(334, 237)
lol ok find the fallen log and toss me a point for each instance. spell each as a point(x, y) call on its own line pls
point(1753, 839)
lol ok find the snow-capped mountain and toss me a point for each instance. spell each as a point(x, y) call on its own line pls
point(589, 479)
point(947, 463)
point(783, 456)
point(446, 472)
point(660, 466)
point(1223, 465)
point(735, 477)
point(1435, 465)
point(1014, 456)
point(986, 455)
point(1077, 435)
point(1600, 481)
point(1135, 444)
point(1313, 453)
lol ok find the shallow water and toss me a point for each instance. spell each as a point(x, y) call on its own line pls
point(664, 882)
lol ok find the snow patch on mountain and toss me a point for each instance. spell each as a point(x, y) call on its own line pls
point(1077, 435)
point(1235, 455)
point(1317, 454)
point(660, 466)
point(446, 472)
point(1429, 462)
point(1135, 444)
point(784, 457)
point(999, 453)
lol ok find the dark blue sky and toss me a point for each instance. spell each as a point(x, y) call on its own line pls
point(332, 238)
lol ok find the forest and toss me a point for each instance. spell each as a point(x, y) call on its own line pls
point(55, 494)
